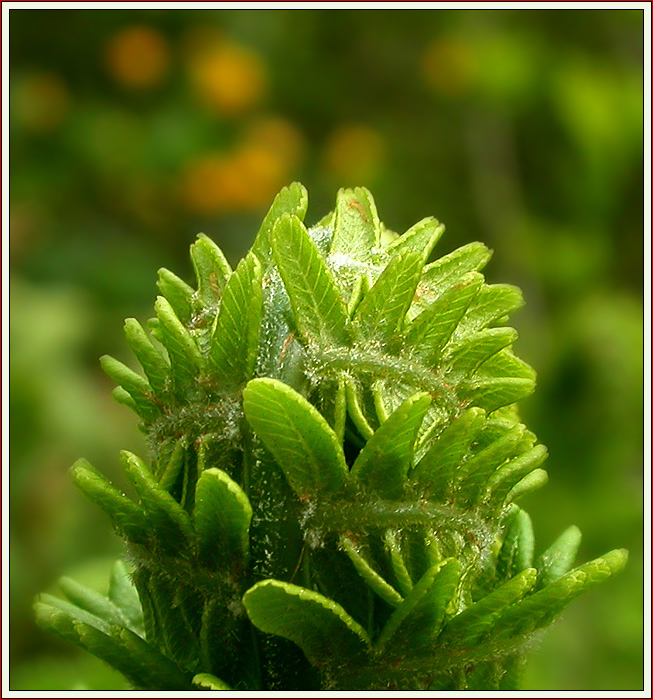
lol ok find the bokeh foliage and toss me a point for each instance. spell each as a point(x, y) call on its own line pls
point(132, 130)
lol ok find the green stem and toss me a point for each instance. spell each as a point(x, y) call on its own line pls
point(360, 360)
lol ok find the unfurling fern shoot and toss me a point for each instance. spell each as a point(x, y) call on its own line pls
point(331, 498)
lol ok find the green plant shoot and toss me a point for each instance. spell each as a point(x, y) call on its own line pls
point(331, 499)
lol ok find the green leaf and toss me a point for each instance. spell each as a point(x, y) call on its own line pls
point(473, 475)
point(177, 292)
point(52, 619)
point(299, 437)
point(393, 544)
point(219, 623)
point(135, 385)
point(135, 658)
point(445, 271)
point(556, 561)
point(506, 364)
point(539, 609)
point(234, 343)
point(108, 648)
point(360, 287)
point(497, 427)
point(127, 517)
point(368, 573)
point(420, 238)
point(355, 409)
point(431, 330)
point(493, 393)
point(467, 354)
point(178, 611)
point(383, 463)
point(222, 516)
point(322, 628)
point(516, 552)
point(124, 398)
point(125, 651)
point(387, 236)
point(420, 549)
point(318, 309)
point(92, 601)
point(154, 364)
point(380, 395)
point(357, 230)
point(154, 326)
point(292, 200)
point(49, 604)
point(170, 521)
point(340, 410)
point(531, 482)
point(185, 357)
point(434, 472)
point(173, 468)
point(380, 315)
point(465, 629)
point(153, 632)
point(507, 476)
point(417, 621)
point(211, 269)
point(209, 682)
point(163, 672)
point(125, 595)
point(492, 304)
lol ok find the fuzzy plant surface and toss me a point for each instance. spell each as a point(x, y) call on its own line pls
point(330, 502)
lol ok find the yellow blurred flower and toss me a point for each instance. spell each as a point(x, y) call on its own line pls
point(205, 185)
point(262, 173)
point(138, 57)
point(449, 67)
point(40, 102)
point(249, 177)
point(229, 78)
point(278, 136)
point(354, 153)
point(244, 180)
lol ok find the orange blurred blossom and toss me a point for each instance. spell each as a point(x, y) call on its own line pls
point(449, 67)
point(138, 57)
point(354, 153)
point(40, 102)
point(244, 180)
point(227, 77)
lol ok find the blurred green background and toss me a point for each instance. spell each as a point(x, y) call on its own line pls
point(133, 130)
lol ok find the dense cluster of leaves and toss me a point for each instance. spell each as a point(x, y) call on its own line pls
point(336, 460)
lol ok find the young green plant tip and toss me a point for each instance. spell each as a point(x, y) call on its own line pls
point(331, 498)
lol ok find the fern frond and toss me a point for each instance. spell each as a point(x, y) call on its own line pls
point(336, 455)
